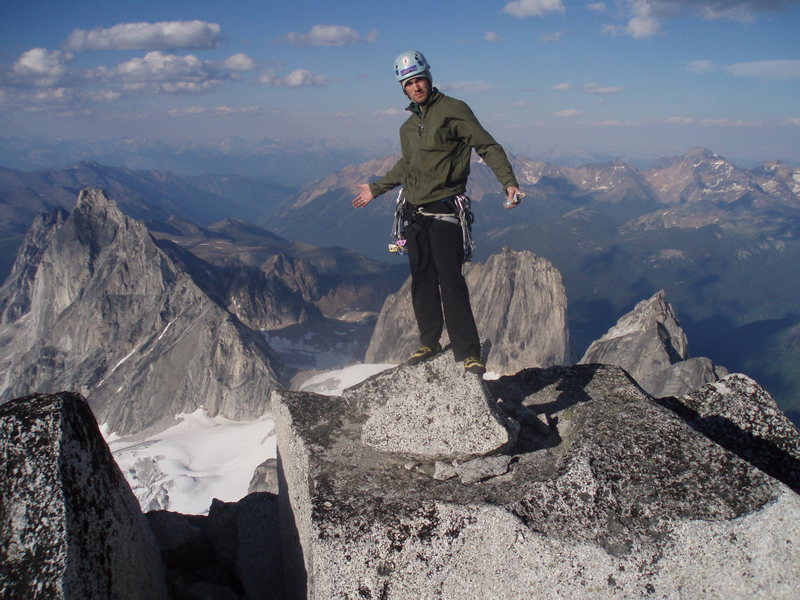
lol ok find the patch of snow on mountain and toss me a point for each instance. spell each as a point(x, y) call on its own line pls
point(184, 467)
point(332, 383)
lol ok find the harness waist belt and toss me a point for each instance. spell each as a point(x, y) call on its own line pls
point(448, 217)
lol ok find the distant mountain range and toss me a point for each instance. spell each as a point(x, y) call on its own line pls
point(290, 162)
point(722, 241)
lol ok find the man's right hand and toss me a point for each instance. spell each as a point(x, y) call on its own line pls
point(364, 196)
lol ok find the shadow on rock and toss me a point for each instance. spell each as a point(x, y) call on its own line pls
point(764, 454)
point(536, 398)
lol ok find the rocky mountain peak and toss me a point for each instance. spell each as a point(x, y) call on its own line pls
point(700, 153)
point(346, 179)
point(650, 344)
point(520, 306)
point(15, 293)
point(531, 172)
point(95, 292)
point(98, 219)
point(654, 313)
point(698, 176)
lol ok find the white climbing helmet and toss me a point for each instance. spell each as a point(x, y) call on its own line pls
point(411, 64)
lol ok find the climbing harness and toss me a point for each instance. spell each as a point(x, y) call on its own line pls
point(462, 217)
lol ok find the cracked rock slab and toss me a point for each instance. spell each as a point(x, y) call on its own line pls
point(620, 498)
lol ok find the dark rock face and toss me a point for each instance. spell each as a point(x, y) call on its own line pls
point(741, 416)
point(96, 306)
point(650, 344)
point(70, 526)
point(29, 256)
point(233, 552)
point(265, 477)
point(604, 490)
point(520, 306)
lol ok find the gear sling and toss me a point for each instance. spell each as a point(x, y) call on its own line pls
point(461, 215)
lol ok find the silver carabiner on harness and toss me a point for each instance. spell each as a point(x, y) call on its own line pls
point(398, 246)
point(465, 220)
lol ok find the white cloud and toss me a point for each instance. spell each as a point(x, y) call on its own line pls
point(556, 36)
point(532, 8)
point(390, 112)
point(239, 62)
point(561, 86)
point(643, 27)
point(792, 121)
point(178, 87)
point(40, 62)
point(621, 123)
point(103, 95)
point(467, 86)
point(645, 17)
point(166, 35)
point(160, 72)
point(297, 78)
point(597, 7)
point(721, 122)
point(728, 123)
point(700, 66)
point(240, 110)
point(55, 96)
point(158, 66)
point(329, 35)
point(218, 111)
point(596, 88)
point(758, 69)
point(567, 113)
point(491, 36)
point(39, 67)
point(766, 69)
point(73, 99)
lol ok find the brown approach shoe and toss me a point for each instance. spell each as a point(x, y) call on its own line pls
point(473, 364)
point(423, 353)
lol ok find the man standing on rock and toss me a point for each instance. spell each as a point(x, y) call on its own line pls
point(437, 142)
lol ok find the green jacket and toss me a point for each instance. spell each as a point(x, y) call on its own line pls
point(437, 141)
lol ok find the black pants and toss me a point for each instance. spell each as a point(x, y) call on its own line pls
point(435, 256)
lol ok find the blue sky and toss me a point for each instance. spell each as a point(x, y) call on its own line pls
point(548, 78)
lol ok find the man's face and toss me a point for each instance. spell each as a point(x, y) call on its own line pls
point(418, 89)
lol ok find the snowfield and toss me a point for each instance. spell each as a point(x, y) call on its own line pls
point(183, 468)
point(200, 458)
point(333, 383)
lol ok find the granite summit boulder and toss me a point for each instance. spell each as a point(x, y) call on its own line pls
point(70, 527)
point(605, 492)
